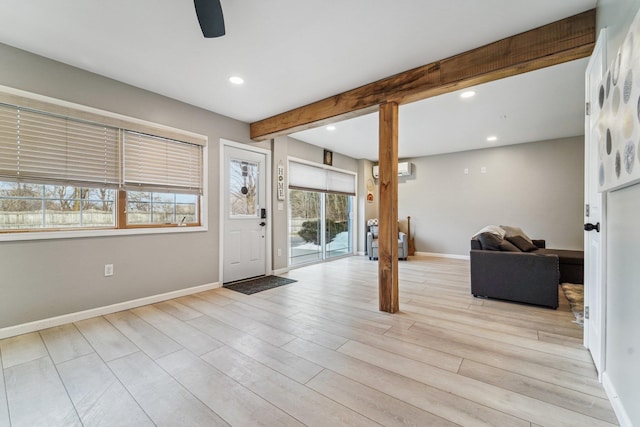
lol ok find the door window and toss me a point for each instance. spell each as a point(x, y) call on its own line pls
point(243, 189)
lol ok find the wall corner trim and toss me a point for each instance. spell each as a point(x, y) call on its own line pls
point(51, 322)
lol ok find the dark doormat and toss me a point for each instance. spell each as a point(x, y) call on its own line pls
point(260, 284)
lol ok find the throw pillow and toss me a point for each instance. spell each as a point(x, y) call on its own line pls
point(507, 246)
point(489, 241)
point(522, 243)
point(494, 229)
point(515, 231)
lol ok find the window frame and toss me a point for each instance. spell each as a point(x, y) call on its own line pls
point(121, 215)
point(75, 111)
point(43, 200)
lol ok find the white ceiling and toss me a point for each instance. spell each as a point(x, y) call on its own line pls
point(536, 106)
point(293, 52)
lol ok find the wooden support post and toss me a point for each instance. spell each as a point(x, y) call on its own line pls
point(388, 216)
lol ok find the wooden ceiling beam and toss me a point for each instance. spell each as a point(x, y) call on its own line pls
point(561, 41)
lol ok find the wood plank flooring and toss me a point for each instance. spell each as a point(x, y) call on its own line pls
point(316, 353)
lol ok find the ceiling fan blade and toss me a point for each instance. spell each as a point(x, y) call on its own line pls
point(210, 17)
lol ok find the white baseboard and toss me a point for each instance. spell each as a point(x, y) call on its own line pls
point(12, 331)
point(281, 271)
point(452, 256)
point(614, 399)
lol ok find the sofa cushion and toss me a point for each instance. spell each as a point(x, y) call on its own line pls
point(566, 256)
point(490, 241)
point(507, 246)
point(515, 231)
point(521, 243)
point(540, 243)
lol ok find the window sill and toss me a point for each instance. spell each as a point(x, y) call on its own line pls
point(75, 234)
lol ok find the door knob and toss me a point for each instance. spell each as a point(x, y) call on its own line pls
point(591, 227)
point(262, 224)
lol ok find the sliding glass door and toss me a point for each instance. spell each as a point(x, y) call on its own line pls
point(320, 205)
point(337, 209)
point(305, 219)
point(319, 226)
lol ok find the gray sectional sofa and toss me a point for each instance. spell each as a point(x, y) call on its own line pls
point(525, 272)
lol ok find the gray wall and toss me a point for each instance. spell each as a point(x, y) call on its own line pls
point(42, 279)
point(47, 278)
point(623, 236)
point(536, 186)
point(312, 153)
point(616, 17)
point(366, 209)
point(280, 230)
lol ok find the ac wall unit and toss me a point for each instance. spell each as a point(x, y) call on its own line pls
point(404, 169)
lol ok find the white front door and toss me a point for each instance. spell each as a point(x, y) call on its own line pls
point(595, 209)
point(244, 214)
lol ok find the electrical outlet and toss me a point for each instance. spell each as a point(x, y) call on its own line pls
point(108, 270)
point(466, 171)
point(483, 169)
point(279, 252)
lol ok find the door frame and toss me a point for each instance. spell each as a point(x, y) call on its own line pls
point(221, 203)
point(600, 48)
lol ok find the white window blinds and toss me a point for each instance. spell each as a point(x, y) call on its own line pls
point(307, 177)
point(45, 148)
point(159, 164)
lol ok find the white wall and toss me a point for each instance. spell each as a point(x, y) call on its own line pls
point(622, 355)
point(623, 296)
point(537, 186)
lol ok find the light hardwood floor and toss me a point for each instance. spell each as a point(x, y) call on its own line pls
point(316, 352)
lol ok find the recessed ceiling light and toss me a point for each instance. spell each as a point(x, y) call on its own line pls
point(236, 80)
point(331, 127)
point(492, 138)
point(468, 94)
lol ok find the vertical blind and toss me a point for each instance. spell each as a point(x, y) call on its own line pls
point(154, 163)
point(45, 148)
point(308, 177)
